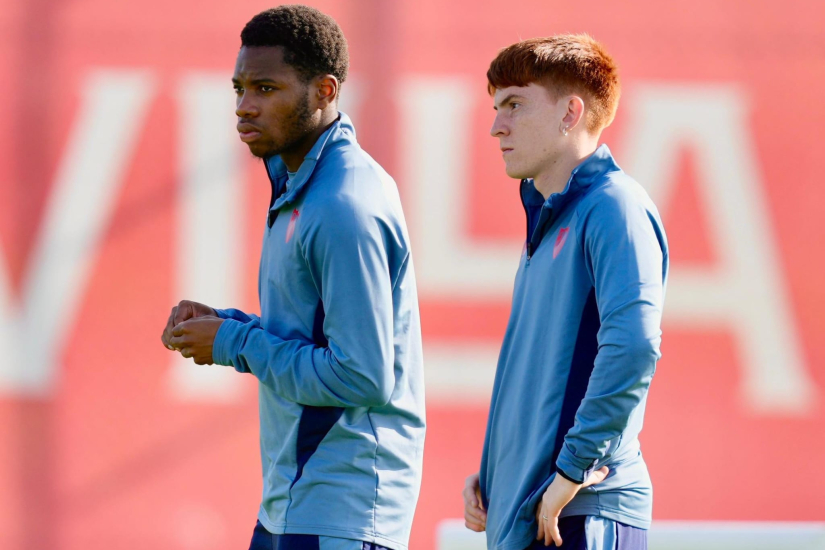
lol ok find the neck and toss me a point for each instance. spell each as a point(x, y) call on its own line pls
point(295, 156)
point(553, 179)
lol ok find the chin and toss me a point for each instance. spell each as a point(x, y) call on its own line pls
point(259, 150)
point(516, 174)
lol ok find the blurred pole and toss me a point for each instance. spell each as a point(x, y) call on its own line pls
point(377, 27)
point(34, 152)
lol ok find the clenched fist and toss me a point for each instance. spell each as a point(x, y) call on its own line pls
point(184, 311)
point(475, 517)
point(194, 338)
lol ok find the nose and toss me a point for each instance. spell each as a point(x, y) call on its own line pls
point(246, 107)
point(499, 128)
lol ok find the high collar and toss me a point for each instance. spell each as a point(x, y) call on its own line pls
point(341, 132)
point(581, 178)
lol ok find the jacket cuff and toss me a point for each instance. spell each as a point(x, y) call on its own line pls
point(573, 468)
point(227, 343)
point(222, 313)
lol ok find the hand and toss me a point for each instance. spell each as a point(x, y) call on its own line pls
point(183, 312)
point(194, 338)
point(558, 494)
point(475, 517)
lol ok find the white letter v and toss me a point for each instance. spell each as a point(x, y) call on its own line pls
point(80, 206)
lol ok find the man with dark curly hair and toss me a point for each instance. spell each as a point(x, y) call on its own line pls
point(337, 347)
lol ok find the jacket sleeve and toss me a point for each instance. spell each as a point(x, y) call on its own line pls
point(237, 314)
point(623, 247)
point(348, 260)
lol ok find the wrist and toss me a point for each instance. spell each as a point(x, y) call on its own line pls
point(562, 475)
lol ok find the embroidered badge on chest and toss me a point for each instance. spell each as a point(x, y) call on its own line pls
point(290, 229)
point(560, 240)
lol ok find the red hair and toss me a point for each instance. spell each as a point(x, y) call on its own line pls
point(564, 64)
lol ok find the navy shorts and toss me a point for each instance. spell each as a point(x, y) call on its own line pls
point(264, 540)
point(595, 533)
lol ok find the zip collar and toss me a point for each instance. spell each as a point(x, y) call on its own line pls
point(583, 176)
point(284, 190)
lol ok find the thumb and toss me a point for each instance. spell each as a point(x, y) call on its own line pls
point(478, 498)
point(596, 477)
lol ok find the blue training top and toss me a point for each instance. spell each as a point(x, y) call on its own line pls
point(337, 350)
point(578, 356)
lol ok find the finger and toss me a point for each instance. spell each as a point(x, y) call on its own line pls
point(540, 533)
point(164, 338)
point(469, 496)
point(167, 330)
point(475, 507)
point(545, 529)
point(472, 517)
point(475, 514)
point(472, 497)
point(179, 342)
point(480, 500)
point(548, 536)
point(183, 313)
point(596, 477)
point(600, 474)
point(474, 527)
point(186, 352)
point(180, 329)
point(554, 531)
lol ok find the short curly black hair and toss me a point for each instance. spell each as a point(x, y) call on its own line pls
point(313, 42)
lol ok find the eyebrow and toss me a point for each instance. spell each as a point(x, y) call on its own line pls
point(257, 81)
point(506, 100)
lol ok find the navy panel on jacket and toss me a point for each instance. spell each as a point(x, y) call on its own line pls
point(584, 355)
point(315, 424)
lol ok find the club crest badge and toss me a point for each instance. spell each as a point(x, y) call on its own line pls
point(560, 240)
point(290, 229)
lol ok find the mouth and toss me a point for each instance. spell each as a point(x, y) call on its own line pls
point(248, 133)
point(505, 150)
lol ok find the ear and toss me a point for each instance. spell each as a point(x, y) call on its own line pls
point(325, 90)
point(574, 113)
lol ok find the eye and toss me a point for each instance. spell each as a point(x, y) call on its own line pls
point(514, 105)
point(267, 89)
point(238, 90)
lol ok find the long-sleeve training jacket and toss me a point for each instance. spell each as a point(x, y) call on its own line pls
point(578, 356)
point(337, 350)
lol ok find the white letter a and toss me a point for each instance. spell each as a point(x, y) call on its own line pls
point(746, 292)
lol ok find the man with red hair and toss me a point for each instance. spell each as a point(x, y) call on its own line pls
point(561, 462)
